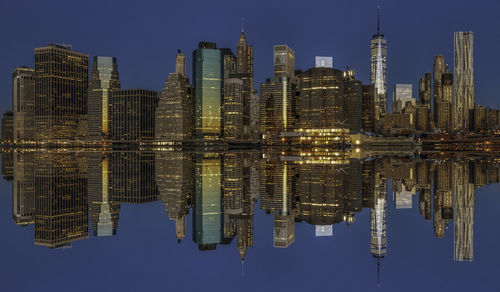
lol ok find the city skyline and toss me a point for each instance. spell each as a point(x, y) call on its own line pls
point(304, 58)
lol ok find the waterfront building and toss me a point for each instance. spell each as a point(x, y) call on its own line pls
point(133, 115)
point(208, 79)
point(352, 102)
point(403, 93)
point(61, 84)
point(23, 103)
point(463, 81)
point(368, 108)
point(438, 70)
point(8, 127)
point(378, 71)
point(173, 116)
point(321, 98)
point(104, 79)
point(232, 109)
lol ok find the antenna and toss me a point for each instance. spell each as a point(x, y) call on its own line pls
point(378, 19)
point(242, 23)
point(243, 267)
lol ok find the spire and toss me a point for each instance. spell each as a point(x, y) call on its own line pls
point(242, 24)
point(243, 267)
point(378, 19)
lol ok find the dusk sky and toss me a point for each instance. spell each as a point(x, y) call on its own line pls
point(144, 35)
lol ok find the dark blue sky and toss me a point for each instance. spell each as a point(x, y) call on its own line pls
point(144, 35)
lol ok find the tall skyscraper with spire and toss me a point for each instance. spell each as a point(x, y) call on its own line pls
point(244, 71)
point(378, 69)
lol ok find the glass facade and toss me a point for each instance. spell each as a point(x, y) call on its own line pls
point(208, 90)
point(104, 79)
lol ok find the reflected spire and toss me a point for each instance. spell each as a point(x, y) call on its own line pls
point(378, 272)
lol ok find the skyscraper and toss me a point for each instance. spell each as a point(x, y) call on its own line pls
point(352, 103)
point(463, 81)
point(133, 115)
point(443, 108)
point(173, 116)
point(321, 98)
point(61, 84)
point(378, 70)
point(208, 78)
point(404, 93)
point(23, 103)
point(438, 71)
point(8, 127)
point(244, 71)
point(368, 108)
point(233, 109)
point(104, 79)
point(424, 89)
point(284, 61)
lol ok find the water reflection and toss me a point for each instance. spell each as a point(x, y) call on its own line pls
point(58, 192)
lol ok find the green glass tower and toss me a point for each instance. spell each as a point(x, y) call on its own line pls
point(208, 77)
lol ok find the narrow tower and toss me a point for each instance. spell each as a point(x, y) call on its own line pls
point(378, 69)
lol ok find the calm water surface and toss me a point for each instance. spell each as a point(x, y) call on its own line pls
point(248, 221)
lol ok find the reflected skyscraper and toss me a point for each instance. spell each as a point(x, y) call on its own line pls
point(463, 212)
point(61, 211)
point(104, 213)
point(133, 177)
point(104, 79)
point(23, 191)
point(208, 211)
point(378, 70)
point(174, 178)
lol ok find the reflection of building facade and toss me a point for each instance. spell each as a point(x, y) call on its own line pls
point(61, 212)
point(208, 212)
point(463, 212)
point(104, 213)
point(23, 191)
point(174, 173)
point(133, 177)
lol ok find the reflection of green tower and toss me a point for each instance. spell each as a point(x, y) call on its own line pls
point(104, 213)
point(208, 201)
